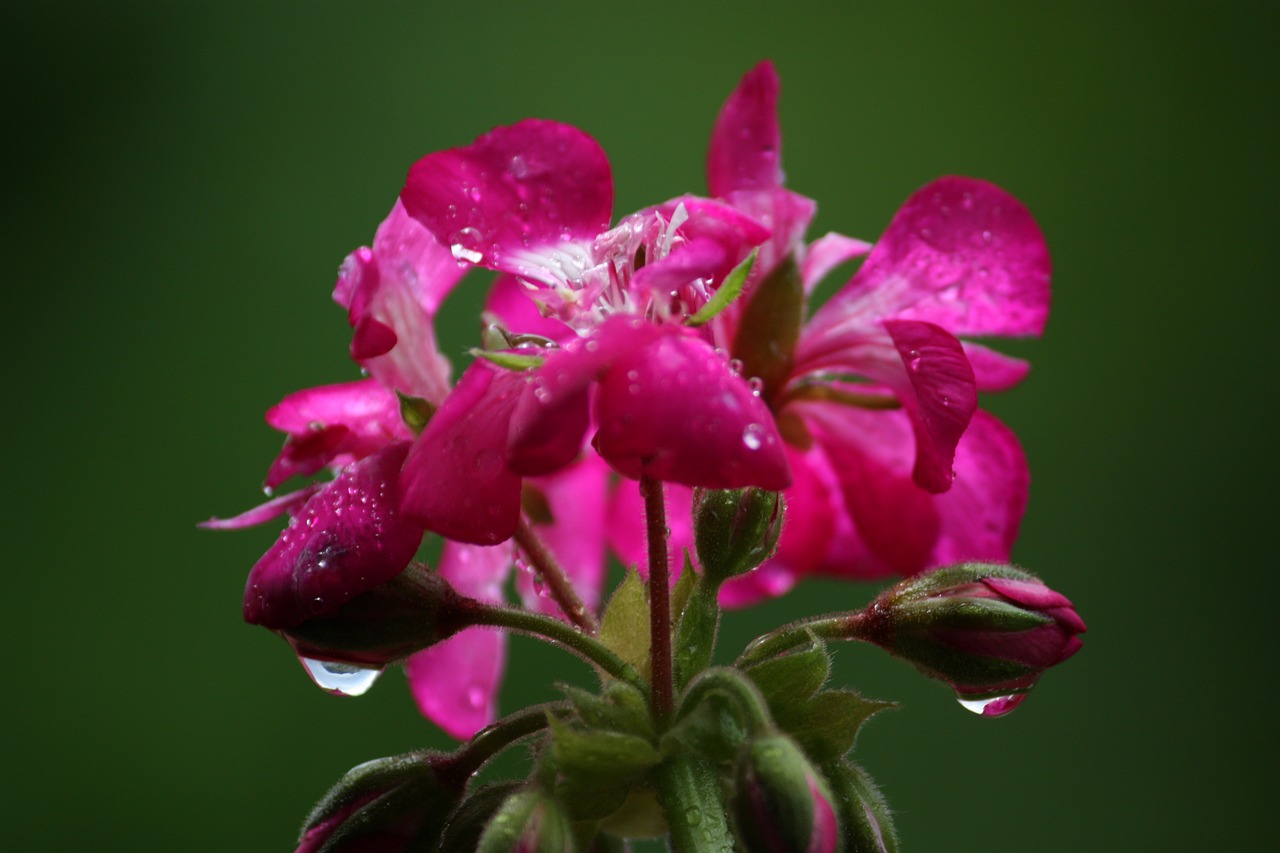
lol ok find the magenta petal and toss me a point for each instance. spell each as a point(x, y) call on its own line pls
point(515, 189)
point(511, 303)
point(826, 253)
point(455, 682)
point(348, 538)
point(746, 145)
point(700, 258)
point(961, 253)
point(944, 392)
point(1031, 594)
point(456, 481)
point(993, 371)
point(673, 410)
point(264, 512)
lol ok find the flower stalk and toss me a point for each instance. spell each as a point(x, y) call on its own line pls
point(558, 585)
point(659, 598)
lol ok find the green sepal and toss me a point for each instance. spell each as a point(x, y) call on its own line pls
point(597, 769)
point(624, 625)
point(865, 817)
point(621, 707)
point(729, 290)
point(770, 327)
point(716, 728)
point(691, 791)
point(695, 641)
point(975, 614)
point(793, 677)
point(529, 821)
point(949, 577)
point(509, 360)
point(415, 412)
point(827, 725)
point(468, 821)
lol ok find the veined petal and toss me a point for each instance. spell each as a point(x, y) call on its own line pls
point(348, 538)
point(333, 425)
point(514, 191)
point(456, 481)
point(455, 683)
point(961, 253)
point(746, 143)
point(513, 305)
point(674, 410)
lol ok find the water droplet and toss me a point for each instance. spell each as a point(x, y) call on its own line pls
point(992, 706)
point(518, 167)
point(753, 436)
point(946, 401)
point(986, 236)
point(756, 384)
point(340, 679)
point(735, 366)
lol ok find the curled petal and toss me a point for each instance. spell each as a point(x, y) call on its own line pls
point(513, 191)
point(264, 512)
point(456, 481)
point(512, 304)
point(700, 258)
point(746, 144)
point(673, 410)
point(333, 425)
point(347, 539)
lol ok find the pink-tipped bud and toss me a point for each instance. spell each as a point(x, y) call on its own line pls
point(782, 804)
point(987, 630)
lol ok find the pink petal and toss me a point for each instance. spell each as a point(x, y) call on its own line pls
point(513, 305)
point(348, 538)
point(1031, 594)
point(575, 535)
point(333, 425)
point(942, 400)
point(725, 224)
point(786, 216)
point(746, 144)
point(513, 191)
point(993, 371)
point(392, 293)
point(826, 253)
point(264, 512)
point(700, 258)
point(456, 480)
point(961, 253)
point(674, 410)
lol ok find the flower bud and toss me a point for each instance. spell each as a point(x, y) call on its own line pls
point(388, 805)
point(735, 530)
point(782, 804)
point(864, 815)
point(530, 821)
point(987, 630)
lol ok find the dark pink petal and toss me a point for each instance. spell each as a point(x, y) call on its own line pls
point(701, 258)
point(333, 425)
point(673, 410)
point(785, 216)
point(455, 683)
point(826, 253)
point(392, 293)
point(1039, 648)
point(942, 398)
point(574, 535)
point(513, 191)
point(456, 481)
point(348, 538)
point(709, 219)
point(511, 303)
point(746, 145)
point(1033, 595)
point(770, 580)
point(961, 253)
point(993, 371)
point(265, 512)
point(626, 531)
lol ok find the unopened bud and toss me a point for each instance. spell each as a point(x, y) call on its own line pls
point(388, 805)
point(735, 529)
point(864, 816)
point(529, 821)
point(782, 804)
point(987, 630)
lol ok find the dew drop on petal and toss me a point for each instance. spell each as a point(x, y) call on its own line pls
point(992, 706)
point(753, 436)
point(340, 679)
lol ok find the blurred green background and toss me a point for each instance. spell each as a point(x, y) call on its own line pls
point(182, 180)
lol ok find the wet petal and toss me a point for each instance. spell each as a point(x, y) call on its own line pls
point(456, 481)
point(513, 305)
point(264, 512)
point(674, 410)
point(514, 191)
point(348, 538)
point(746, 143)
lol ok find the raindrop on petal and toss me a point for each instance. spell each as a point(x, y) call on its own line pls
point(340, 679)
point(992, 706)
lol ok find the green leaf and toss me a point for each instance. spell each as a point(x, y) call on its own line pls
point(715, 729)
point(827, 725)
point(597, 768)
point(510, 360)
point(624, 627)
point(729, 290)
point(620, 708)
point(415, 412)
point(793, 677)
point(696, 634)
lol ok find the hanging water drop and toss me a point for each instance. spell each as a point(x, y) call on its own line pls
point(992, 706)
point(340, 679)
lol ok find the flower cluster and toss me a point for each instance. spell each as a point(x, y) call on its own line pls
point(660, 373)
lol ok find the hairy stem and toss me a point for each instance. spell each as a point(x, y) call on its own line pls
point(493, 739)
point(554, 577)
point(832, 626)
point(655, 514)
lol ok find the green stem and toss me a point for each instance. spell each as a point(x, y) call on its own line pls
point(691, 796)
point(553, 576)
point(493, 739)
point(547, 627)
point(832, 626)
point(659, 599)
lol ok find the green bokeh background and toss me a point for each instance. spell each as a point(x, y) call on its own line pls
point(182, 179)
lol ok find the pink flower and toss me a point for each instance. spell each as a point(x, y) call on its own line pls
point(533, 201)
point(875, 393)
